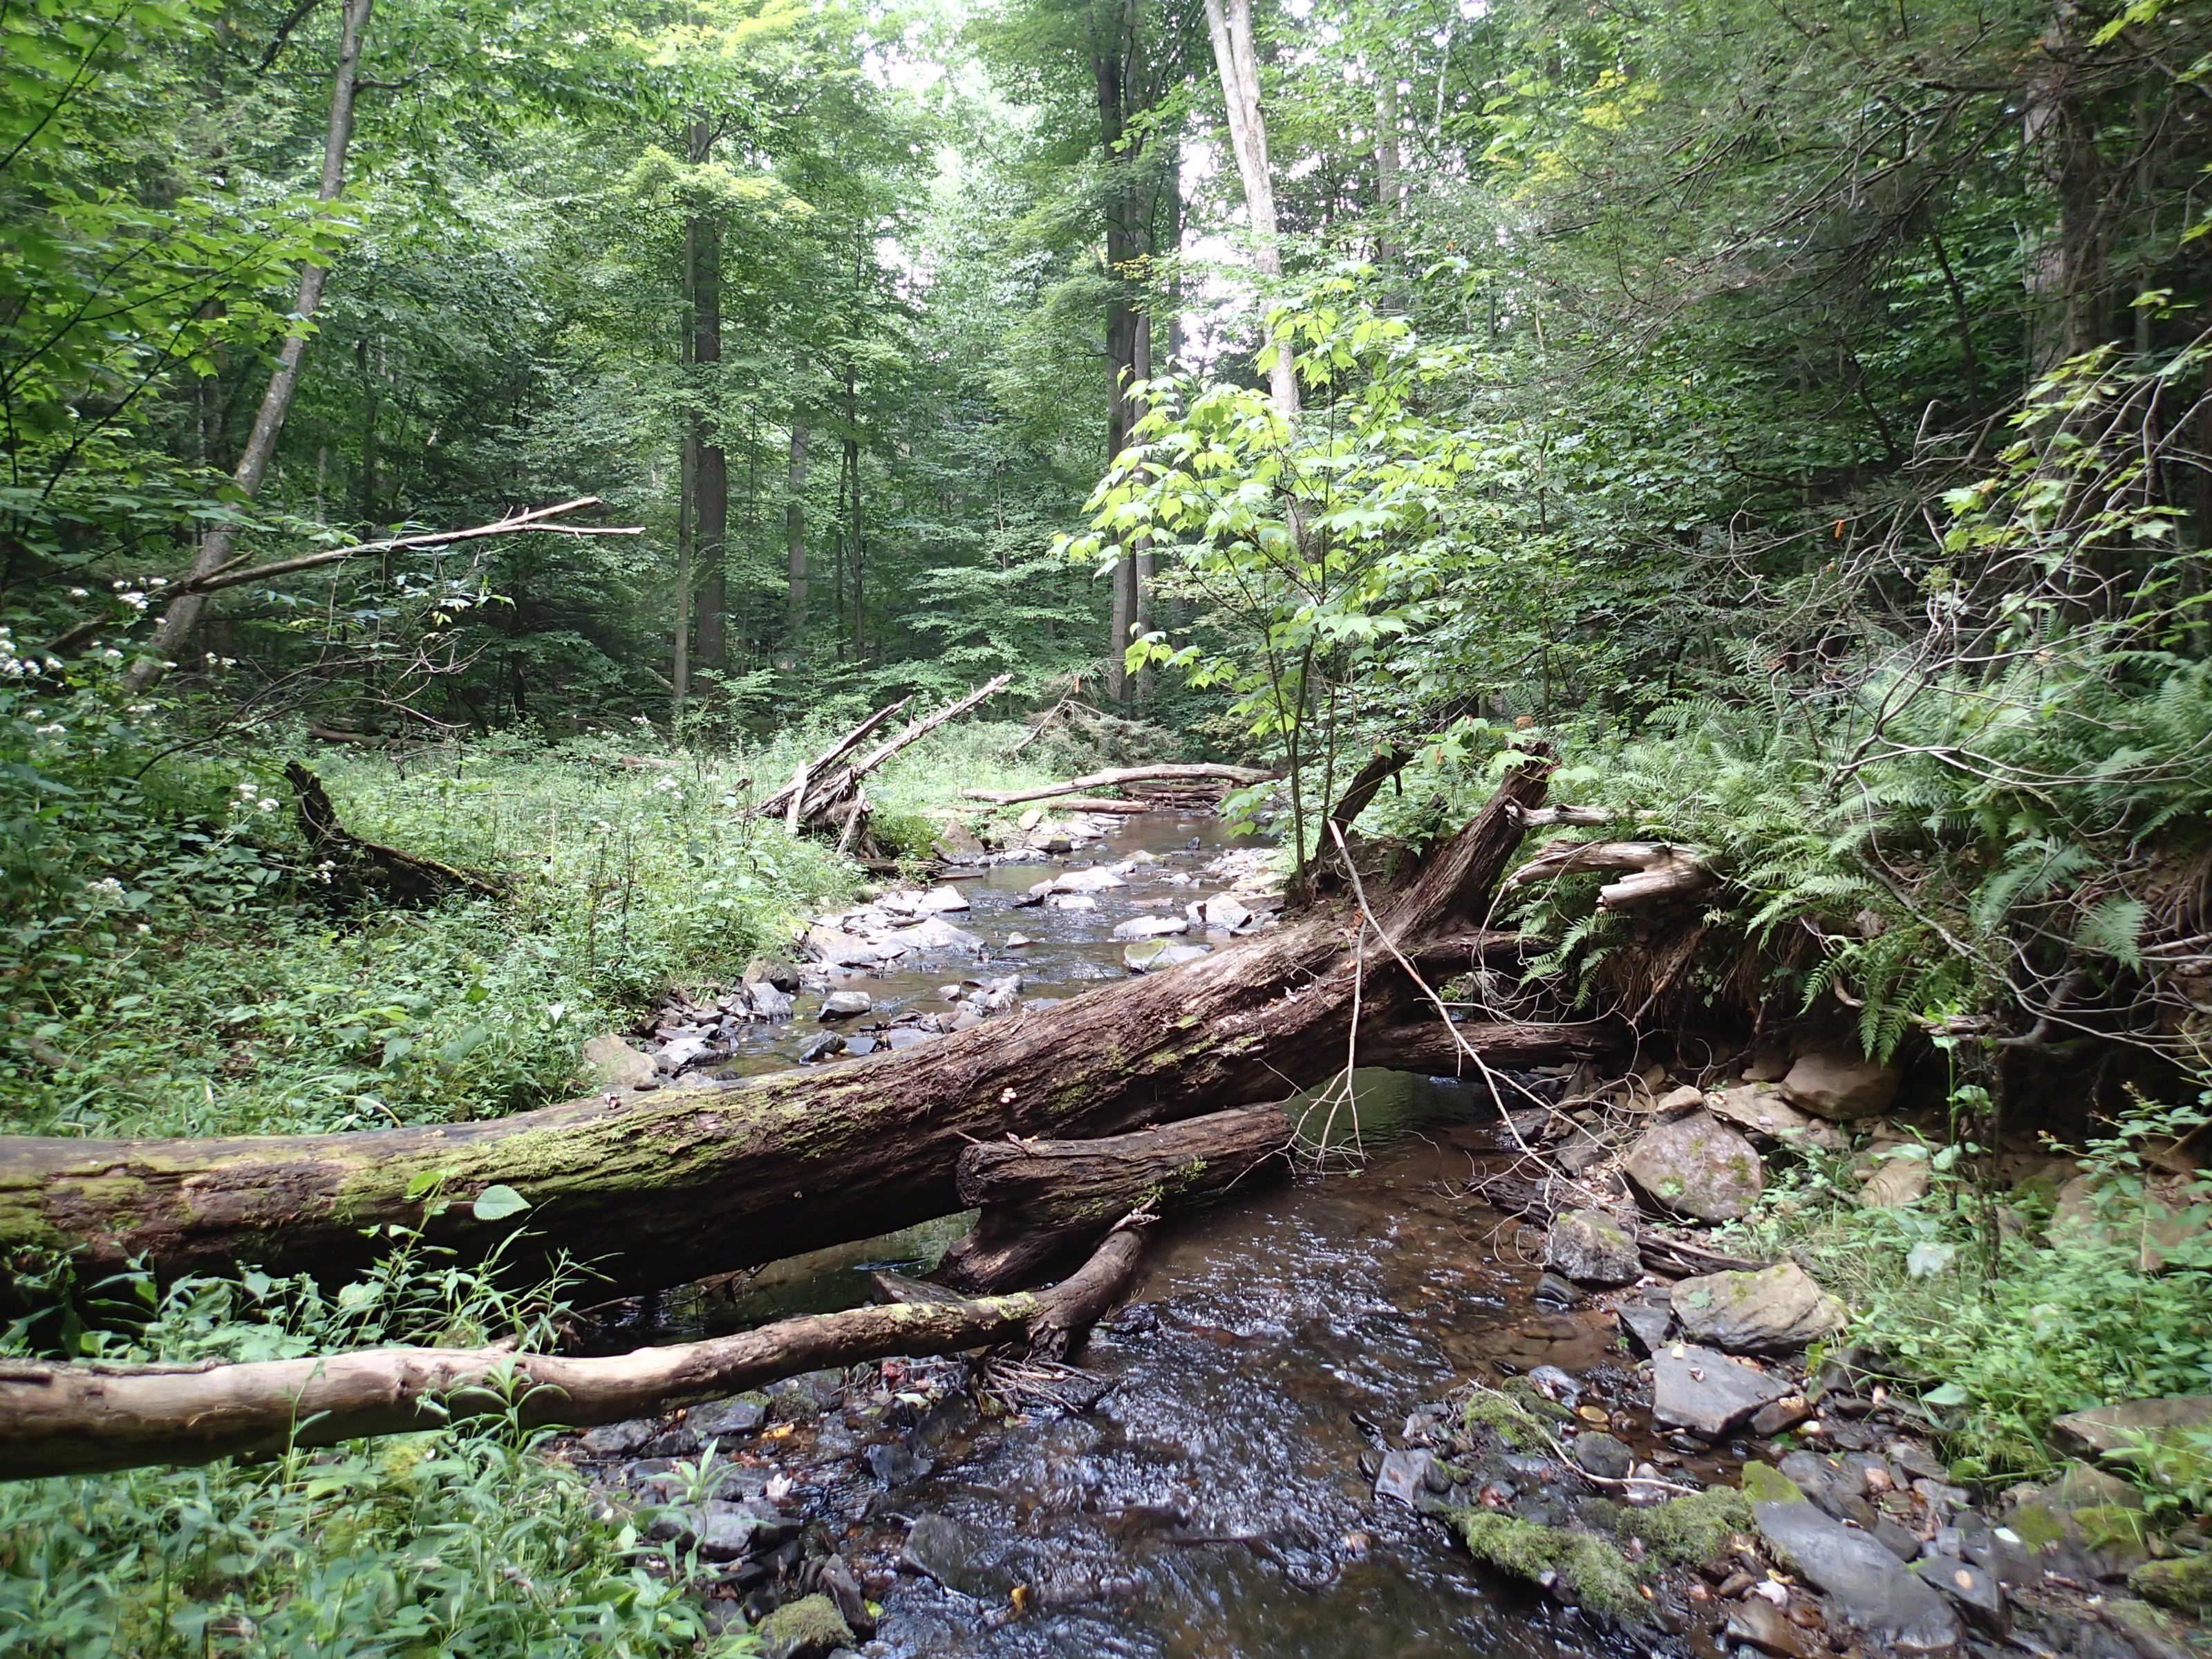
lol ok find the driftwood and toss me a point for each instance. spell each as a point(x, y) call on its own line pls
point(362, 867)
point(78, 1418)
point(664, 1187)
point(1196, 771)
point(1045, 1201)
point(823, 793)
point(1654, 870)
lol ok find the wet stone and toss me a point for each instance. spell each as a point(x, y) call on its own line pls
point(1870, 1586)
point(1402, 1474)
point(896, 1463)
point(1554, 1292)
point(1974, 1592)
point(742, 1415)
point(1591, 1247)
point(1757, 1621)
point(951, 1553)
point(1602, 1456)
point(845, 1004)
point(620, 1439)
point(1706, 1392)
point(1647, 1321)
point(809, 1628)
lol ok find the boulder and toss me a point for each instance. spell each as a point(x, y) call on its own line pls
point(1220, 912)
point(1602, 1456)
point(1150, 955)
point(1761, 1111)
point(932, 933)
point(614, 1064)
point(1591, 1247)
point(763, 970)
point(1647, 1320)
point(2119, 1428)
point(939, 900)
point(1758, 1621)
point(1095, 879)
point(1704, 1391)
point(1870, 1587)
point(1839, 1085)
point(956, 844)
point(844, 1005)
point(840, 948)
point(1898, 1181)
point(1151, 928)
point(728, 1419)
point(1070, 901)
point(1697, 1166)
point(809, 1628)
point(1778, 1310)
point(764, 1001)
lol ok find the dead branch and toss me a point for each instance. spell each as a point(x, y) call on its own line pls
point(1209, 771)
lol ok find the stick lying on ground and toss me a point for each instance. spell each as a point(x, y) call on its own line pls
point(1656, 869)
point(1199, 770)
point(79, 1418)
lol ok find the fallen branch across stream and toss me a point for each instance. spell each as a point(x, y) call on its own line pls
point(79, 1418)
point(1195, 772)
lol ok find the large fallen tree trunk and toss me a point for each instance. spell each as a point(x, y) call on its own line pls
point(1195, 772)
point(79, 1418)
point(820, 788)
point(660, 1189)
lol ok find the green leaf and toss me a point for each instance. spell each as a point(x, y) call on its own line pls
point(497, 1203)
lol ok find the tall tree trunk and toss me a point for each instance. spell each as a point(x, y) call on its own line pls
point(679, 667)
point(215, 550)
point(1120, 73)
point(1238, 62)
point(853, 500)
point(794, 536)
point(2067, 275)
point(710, 517)
point(1140, 568)
point(1387, 167)
point(684, 1182)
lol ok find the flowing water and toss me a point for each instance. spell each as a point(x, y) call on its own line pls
point(1212, 1503)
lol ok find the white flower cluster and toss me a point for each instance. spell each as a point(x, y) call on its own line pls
point(249, 797)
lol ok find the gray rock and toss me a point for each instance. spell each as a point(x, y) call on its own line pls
point(1704, 1391)
point(825, 1047)
point(620, 1439)
point(1763, 1111)
point(767, 1002)
point(956, 844)
point(761, 970)
point(950, 1553)
point(1647, 1320)
point(1220, 911)
point(1697, 1166)
point(896, 1463)
point(732, 1417)
point(839, 949)
point(1839, 1085)
point(939, 900)
point(1591, 1247)
point(1778, 1310)
point(2117, 1427)
point(810, 1628)
point(844, 1005)
point(614, 1064)
point(1757, 1621)
point(1602, 1456)
point(730, 1531)
point(1402, 1474)
point(1554, 1292)
point(1095, 879)
point(1871, 1586)
point(1071, 902)
point(1899, 1181)
point(683, 1051)
point(1151, 928)
point(1150, 955)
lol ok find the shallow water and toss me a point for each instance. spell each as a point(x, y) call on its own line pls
point(1212, 1504)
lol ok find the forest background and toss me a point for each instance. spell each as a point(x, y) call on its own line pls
point(1796, 417)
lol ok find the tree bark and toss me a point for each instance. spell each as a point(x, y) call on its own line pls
point(81, 1418)
point(1044, 1202)
point(794, 534)
point(1234, 56)
point(1208, 770)
point(659, 1190)
point(183, 613)
point(710, 470)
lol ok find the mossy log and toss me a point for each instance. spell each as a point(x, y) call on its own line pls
point(1045, 1201)
point(660, 1189)
point(79, 1418)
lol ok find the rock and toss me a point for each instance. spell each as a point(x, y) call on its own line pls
point(948, 1552)
point(1555, 1292)
point(1220, 912)
point(1764, 1112)
point(1647, 1320)
point(1150, 955)
point(730, 1418)
point(809, 1628)
point(1975, 1595)
point(839, 949)
point(2116, 1428)
point(1030, 820)
point(1778, 1309)
point(1016, 941)
point(1152, 927)
point(1839, 1085)
point(764, 1001)
point(1071, 902)
point(1602, 1456)
point(1591, 1247)
point(2184, 1584)
point(2161, 1217)
point(1697, 1166)
point(1757, 1621)
point(1871, 1586)
point(728, 1532)
point(762, 970)
point(838, 1584)
point(1897, 1180)
point(956, 844)
point(1677, 1100)
point(1784, 1414)
point(932, 933)
point(905, 1036)
point(2153, 1634)
point(683, 1051)
point(614, 1064)
point(1402, 1474)
point(1704, 1391)
point(845, 1004)
point(896, 1463)
point(1095, 879)
point(619, 1439)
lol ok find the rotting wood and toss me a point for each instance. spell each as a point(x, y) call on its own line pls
point(660, 1188)
point(1651, 870)
point(363, 866)
point(1045, 1201)
point(80, 1418)
point(1117, 777)
point(820, 789)
point(777, 804)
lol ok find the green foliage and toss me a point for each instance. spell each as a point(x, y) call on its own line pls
point(1588, 1571)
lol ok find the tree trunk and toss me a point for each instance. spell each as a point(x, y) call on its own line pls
point(710, 517)
point(81, 1419)
point(794, 534)
point(1239, 66)
point(668, 1186)
point(177, 620)
point(1121, 79)
point(1045, 1202)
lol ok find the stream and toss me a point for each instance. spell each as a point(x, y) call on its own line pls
point(1217, 1501)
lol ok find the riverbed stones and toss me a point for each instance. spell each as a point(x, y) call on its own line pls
point(1602, 1456)
point(1151, 928)
point(769, 971)
point(1839, 1085)
point(846, 1005)
point(728, 1419)
point(809, 1628)
point(1697, 1166)
point(1648, 1318)
point(614, 1064)
point(1870, 1587)
point(764, 1001)
point(1706, 1392)
point(1975, 1594)
point(1152, 955)
point(1758, 1621)
point(956, 843)
point(2117, 1427)
point(951, 1552)
point(1221, 913)
point(1097, 878)
point(1778, 1309)
point(1899, 1182)
point(1403, 1475)
point(1591, 1247)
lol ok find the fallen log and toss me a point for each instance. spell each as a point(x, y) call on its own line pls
point(80, 1418)
point(779, 804)
point(658, 1190)
point(1046, 1201)
point(1654, 869)
point(1118, 775)
point(817, 791)
point(362, 866)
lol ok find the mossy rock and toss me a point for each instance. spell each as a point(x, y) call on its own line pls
point(1507, 1417)
point(2184, 1584)
point(2036, 1523)
point(1764, 1484)
point(809, 1628)
point(1586, 1570)
point(1687, 1531)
